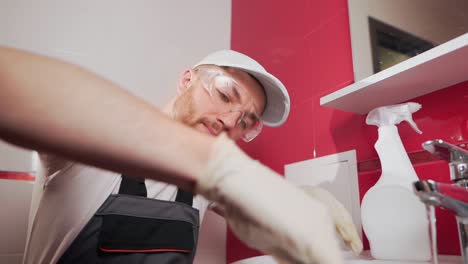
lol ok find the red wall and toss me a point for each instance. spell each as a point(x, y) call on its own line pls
point(306, 44)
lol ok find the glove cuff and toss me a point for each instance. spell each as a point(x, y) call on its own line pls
point(224, 160)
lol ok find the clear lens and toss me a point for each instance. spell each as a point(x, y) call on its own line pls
point(252, 133)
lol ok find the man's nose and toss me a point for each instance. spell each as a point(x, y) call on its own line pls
point(230, 119)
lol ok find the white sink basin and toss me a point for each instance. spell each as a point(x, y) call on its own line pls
point(364, 258)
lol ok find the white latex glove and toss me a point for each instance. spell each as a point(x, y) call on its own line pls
point(265, 211)
point(343, 221)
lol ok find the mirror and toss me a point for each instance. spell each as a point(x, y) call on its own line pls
point(387, 32)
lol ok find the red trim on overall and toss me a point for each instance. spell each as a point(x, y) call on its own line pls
point(144, 250)
point(18, 176)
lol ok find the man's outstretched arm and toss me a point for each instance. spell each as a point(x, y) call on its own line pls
point(58, 107)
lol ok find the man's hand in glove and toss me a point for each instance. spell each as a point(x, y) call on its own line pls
point(341, 217)
point(267, 212)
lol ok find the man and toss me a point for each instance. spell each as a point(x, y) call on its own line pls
point(87, 215)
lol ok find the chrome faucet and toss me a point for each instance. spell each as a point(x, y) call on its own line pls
point(453, 197)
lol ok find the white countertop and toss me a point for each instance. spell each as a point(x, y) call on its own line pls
point(362, 259)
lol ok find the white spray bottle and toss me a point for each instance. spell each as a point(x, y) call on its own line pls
point(393, 218)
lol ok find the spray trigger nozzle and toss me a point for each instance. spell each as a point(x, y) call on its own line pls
point(413, 125)
point(393, 115)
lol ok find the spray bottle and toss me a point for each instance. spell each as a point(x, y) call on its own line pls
point(394, 220)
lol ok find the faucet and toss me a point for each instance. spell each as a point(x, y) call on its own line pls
point(453, 197)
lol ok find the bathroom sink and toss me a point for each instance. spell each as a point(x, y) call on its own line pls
point(364, 258)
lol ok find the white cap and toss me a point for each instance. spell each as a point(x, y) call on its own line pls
point(277, 106)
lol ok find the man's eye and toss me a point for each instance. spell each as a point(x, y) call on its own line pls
point(223, 97)
point(242, 124)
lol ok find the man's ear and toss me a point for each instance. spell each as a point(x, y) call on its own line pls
point(185, 81)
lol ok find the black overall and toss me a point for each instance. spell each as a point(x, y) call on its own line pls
point(130, 228)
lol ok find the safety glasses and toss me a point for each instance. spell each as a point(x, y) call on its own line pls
point(225, 94)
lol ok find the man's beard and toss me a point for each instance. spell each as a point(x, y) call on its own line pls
point(184, 111)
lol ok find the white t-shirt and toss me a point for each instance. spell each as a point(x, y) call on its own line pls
point(70, 198)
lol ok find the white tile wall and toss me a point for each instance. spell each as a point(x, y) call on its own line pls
point(14, 215)
point(13, 158)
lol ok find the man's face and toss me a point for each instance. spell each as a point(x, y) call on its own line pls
point(216, 99)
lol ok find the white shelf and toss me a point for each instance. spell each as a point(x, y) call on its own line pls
point(435, 69)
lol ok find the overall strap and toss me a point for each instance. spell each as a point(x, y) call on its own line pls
point(136, 187)
point(133, 186)
point(184, 197)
